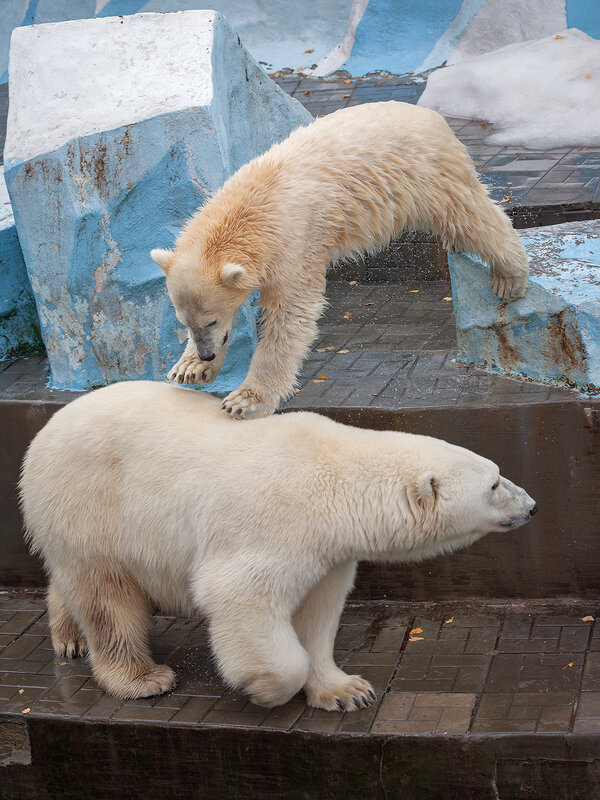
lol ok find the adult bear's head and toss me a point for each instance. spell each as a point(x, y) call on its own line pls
point(446, 497)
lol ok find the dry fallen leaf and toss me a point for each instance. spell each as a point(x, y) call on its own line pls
point(369, 304)
point(507, 198)
point(483, 124)
point(318, 381)
point(352, 283)
point(62, 663)
point(345, 96)
point(415, 630)
point(322, 377)
point(588, 75)
point(447, 298)
point(569, 665)
point(347, 315)
point(340, 352)
point(312, 50)
point(479, 164)
point(348, 81)
point(296, 391)
point(276, 74)
point(448, 621)
point(21, 691)
point(413, 291)
point(307, 91)
point(558, 36)
point(415, 639)
point(26, 711)
point(589, 618)
point(330, 348)
point(320, 349)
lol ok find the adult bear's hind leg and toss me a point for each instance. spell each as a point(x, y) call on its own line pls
point(115, 615)
point(67, 639)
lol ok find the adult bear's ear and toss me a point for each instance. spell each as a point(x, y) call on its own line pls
point(164, 259)
point(426, 489)
point(233, 275)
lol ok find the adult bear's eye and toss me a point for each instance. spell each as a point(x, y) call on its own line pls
point(496, 485)
point(210, 324)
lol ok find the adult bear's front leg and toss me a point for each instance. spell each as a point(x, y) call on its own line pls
point(288, 329)
point(316, 623)
point(258, 651)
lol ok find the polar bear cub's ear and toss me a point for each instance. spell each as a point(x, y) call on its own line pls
point(164, 258)
point(427, 485)
point(233, 274)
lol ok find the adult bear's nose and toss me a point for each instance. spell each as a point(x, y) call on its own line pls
point(534, 510)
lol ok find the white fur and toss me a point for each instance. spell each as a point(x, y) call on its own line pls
point(258, 526)
point(334, 189)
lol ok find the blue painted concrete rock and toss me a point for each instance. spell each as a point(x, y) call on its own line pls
point(19, 324)
point(552, 335)
point(107, 154)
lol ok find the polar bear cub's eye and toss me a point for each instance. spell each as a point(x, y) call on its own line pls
point(496, 485)
point(210, 324)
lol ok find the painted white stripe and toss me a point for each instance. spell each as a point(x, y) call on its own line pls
point(448, 41)
point(341, 52)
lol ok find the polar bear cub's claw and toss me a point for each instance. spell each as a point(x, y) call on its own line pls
point(355, 693)
point(193, 371)
point(246, 403)
point(508, 288)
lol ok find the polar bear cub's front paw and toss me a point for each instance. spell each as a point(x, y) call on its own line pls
point(246, 403)
point(193, 371)
point(348, 693)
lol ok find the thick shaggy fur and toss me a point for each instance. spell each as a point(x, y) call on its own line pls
point(145, 494)
point(339, 187)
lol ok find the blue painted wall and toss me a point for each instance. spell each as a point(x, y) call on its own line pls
point(397, 35)
point(585, 15)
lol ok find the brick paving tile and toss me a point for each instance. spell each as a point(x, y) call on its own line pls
point(486, 674)
point(409, 712)
point(587, 719)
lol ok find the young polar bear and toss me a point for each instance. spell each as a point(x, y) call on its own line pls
point(343, 185)
point(144, 493)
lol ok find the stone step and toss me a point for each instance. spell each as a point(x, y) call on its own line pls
point(400, 373)
point(474, 700)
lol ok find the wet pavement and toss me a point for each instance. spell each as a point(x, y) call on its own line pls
point(436, 669)
point(390, 346)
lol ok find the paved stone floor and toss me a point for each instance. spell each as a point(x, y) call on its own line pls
point(516, 176)
point(435, 669)
point(380, 345)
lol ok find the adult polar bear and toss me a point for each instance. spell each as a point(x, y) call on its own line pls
point(343, 185)
point(145, 493)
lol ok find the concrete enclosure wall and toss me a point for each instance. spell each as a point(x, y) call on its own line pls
point(360, 36)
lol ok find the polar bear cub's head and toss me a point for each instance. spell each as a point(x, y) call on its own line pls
point(206, 294)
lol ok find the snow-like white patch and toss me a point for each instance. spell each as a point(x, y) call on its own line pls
point(502, 22)
point(540, 94)
point(75, 78)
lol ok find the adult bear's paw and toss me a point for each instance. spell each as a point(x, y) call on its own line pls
point(350, 695)
point(193, 371)
point(509, 287)
point(246, 403)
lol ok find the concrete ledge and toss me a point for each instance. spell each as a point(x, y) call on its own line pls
point(19, 323)
point(552, 335)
